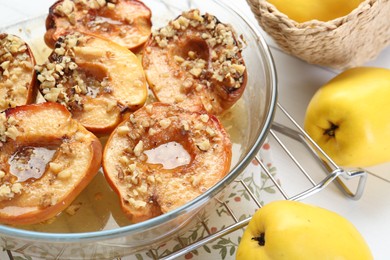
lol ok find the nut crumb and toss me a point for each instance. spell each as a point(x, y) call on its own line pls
point(137, 203)
point(205, 118)
point(138, 149)
point(123, 129)
point(165, 123)
point(204, 145)
point(55, 167)
point(72, 209)
point(64, 174)
point(8, 128)
point(15, 61)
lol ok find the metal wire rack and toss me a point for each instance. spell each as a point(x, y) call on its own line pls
point(291, 130)
point(333, 174)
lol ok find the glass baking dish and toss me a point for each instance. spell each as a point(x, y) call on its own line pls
point(102, 232)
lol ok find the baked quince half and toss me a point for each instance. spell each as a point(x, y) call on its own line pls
point(163, 156)
point(17, 74)
point(126, 22)
point(46, 159)
point(95, 78)
point(196, 62)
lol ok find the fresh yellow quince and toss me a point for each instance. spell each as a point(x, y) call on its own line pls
point(349, 117)
point(294, 230)
point(322, 10)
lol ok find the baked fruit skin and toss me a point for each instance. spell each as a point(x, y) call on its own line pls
point(46, 159)
point(196, 62)
point(147, 188)
point(126, 22)
point(17, 74)
point(98, 80)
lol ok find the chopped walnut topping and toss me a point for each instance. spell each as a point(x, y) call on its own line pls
point(199, 126)
point(204, 118)
point(5, 65)
point(66, 8)
point(187, 84)
point(152, 131)
point(149, 108)
point(3, 126)
point(124, 160)
point(198, 87)
point(134, 135)
point(72, 209)
point(185, 124)
point(211, 132)
point(62, 81)
point(178, 59)
point(204, 145)
point(16, 188)
point(64, 175)
point(111, 6)
point(133, 178)
point(9, 191)
point(121, 174)
point(227, 64)
point(12, 132)
point(137, 203)
point(55, 167)
point(165, 123)
point(8, 128)
point(239, 68)
point(195, 180)
point(192, 54)
point(123, 129)
point(132, 167)
point(47, 200)
point(151, 179)
point(196, 71)
point(185, 149)
point(143, 188)
point(145, 123)
point(138, 149)
point(111, 104)
point(15, 65)
point(5, 192)
point(132, 119)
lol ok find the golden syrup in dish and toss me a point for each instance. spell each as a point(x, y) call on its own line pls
point(30, 162)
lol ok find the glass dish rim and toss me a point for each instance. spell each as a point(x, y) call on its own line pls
point(270, 68)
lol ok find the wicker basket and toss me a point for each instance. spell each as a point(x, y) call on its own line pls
point(341, 43)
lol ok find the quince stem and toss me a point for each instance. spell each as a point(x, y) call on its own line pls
point(331, 130)
point(260, 239)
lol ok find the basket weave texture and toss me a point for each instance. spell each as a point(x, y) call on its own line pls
point(345, 42)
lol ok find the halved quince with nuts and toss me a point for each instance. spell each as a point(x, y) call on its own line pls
point(17, 74)
point(164, 156)
point(46, 159)
point(196, 62)
point(126, 22)
point(95, 78)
